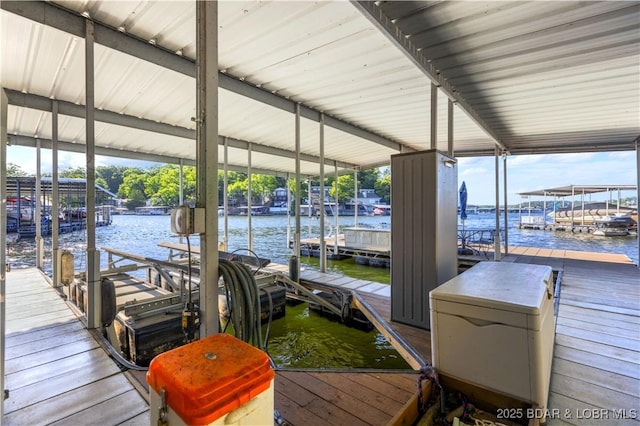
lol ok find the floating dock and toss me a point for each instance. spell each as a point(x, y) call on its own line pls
point(595, 367)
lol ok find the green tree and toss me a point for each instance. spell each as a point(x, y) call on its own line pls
point(383, 187)
point(15, 170)
point(344, 188)
point(110, 177)
point(367, 178)
point(162, 185)
point(303, 188)
point(73, 173)
point(262, 187)
point(133, 184)
point(237, 190)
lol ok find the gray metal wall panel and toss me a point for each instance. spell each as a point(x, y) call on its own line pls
point(423, 232)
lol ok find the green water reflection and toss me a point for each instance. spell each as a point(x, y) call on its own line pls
point(348, 267)
point(304, 339)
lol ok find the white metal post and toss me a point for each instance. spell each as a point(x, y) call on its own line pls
point(323, 243)
point(55, 195)
point(496, 242)
point(434, 116)
point(336, 212)
point(38, 212)
point(296, 245)
point(638, 189)
point(249, 201)
point(3, 241)
point(94, 311)
point(289, 212)
point(355, 192)
point(225, 198)
point(207, 158)
point(506, 205)
point(450, 148)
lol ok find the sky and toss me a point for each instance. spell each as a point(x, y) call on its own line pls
point(524, 172)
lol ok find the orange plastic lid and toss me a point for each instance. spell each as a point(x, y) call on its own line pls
point(209, 378)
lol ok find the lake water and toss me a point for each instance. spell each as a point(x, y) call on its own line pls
point(141, 234)
point(303, 338)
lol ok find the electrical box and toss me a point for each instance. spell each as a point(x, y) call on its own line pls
point(187, 220)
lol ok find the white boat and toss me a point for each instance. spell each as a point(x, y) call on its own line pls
point(590, 213)
point(612, 226)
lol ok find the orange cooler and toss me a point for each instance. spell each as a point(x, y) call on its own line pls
point(217, 380)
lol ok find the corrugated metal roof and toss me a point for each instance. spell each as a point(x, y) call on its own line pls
point(540, 76)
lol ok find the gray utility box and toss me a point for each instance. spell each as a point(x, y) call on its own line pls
point(424, 254)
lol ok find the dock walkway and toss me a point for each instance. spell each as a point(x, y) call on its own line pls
point(56, 371)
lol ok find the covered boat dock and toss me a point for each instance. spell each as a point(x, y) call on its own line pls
point(304, 89)
point(580, 216)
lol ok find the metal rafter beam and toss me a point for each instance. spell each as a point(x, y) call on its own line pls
point(28, 141)
point(69, 22)
point(374, 13)
point(41, 103)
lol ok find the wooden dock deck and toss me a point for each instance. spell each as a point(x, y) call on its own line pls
point(58, 373)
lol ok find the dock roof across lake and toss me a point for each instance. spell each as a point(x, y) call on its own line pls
point(569, 190)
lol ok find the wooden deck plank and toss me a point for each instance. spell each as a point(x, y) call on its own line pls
point(574, 411)
point(43, 332)
point(43, 357)
point(55, 369)
point(598, 337)
point(609, 328)
point(593, 394)
point(598, 377)
point(596, 316)
point(295, 414)
point(377, 383)
point(81, 376)
point(58, 367)
point(65, 405)
point(45, 344)
point(602, 362)
point(141, 419)
point(344, 400)
point(598, 348)
point(374, 401)
point(294, 387)
point(111, 411)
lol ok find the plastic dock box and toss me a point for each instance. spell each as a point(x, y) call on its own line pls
point(493, 326)
point(216, 380)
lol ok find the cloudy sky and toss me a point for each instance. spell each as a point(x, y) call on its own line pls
point(524, 172)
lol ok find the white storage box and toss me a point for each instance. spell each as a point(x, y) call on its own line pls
point(494, 326)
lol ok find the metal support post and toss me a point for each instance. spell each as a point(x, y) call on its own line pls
point(94, 311)
point(55, 195)
point(323, 243)
point(355, 193)
point(4, 103)
point(249, 200)
point(434, 116)
point(296, 235)
point(207, 159)
point(38, 207)
point(336, 212)
point(225, 198)
point(496, 241)
point(450, 149)
point(506, 205)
